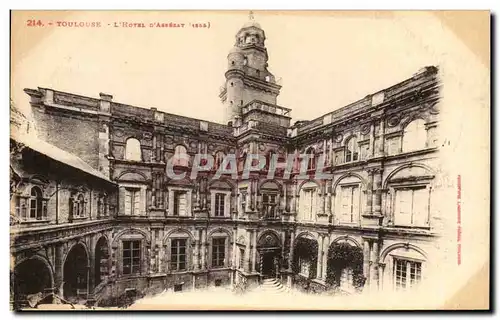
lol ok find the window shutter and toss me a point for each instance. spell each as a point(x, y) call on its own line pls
point(142, 200)
point(345, 204)
point(137, 202)
point(306, 207)
point(182, 204)
point(402, 212)
point(420, 206)
point(355, 203)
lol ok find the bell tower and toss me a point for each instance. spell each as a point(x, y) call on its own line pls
point(247, 76)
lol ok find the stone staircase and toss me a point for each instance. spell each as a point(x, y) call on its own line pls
point(270, 286)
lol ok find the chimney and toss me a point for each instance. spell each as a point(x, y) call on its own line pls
point(105, 102)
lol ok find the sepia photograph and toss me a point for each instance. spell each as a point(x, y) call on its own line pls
point(249, 160)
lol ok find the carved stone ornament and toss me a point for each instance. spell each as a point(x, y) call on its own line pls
point(262, 147)
point(193, 144)
point(393, 121)
point(147, 135)
point(434, 109)
point(211, 147)
point(338, 138)
point(365, 129)
point(119, 133)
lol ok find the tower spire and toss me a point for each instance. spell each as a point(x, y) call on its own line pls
point(250, 16)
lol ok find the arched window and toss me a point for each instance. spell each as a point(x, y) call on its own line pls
point(219, 157)
point(415, 136)
point(352, 150)
point(38, 206)
point(311, 159)
point(133, 150)
point(181, 158)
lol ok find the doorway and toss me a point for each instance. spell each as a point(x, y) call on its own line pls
point(269, 264)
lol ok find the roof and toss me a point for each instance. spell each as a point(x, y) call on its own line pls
point(55, 153)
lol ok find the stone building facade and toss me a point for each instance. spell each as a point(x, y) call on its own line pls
point(369, 222)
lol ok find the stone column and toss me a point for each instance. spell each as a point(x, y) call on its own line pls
point(319, 271)
point(248, 241)
point(161, 250)
point(372, 140)
point(369, 193)
point(294, 197)
point(233, 253)
point(329, 197)
point(326, 245)
point(374, 272)
point(366, 260)
point(377, 194)
point(254, 250)
point(322, 198)
point(203, 248)
point(290, 256)
point(248, 196)
point(196, 250)
point(381, 135)
point(58, 269)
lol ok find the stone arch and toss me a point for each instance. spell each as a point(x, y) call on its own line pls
point(84, 245)
point(412, 117)
point(262, 239)
point(124, 173)
point(221, 180)
point(349, 137)
point(408, 246)
point(102, 253)
point(39, 178)
point(347, 239)
point(31, 275)
point(347, 175)
point(75, 272)
point(261, 184)
point(307, 235)
point(177, 230)
point(130, 231)
point(307, 181)
point(344, 267)
point(305, 255)
point(406, 166)
point(222, 230)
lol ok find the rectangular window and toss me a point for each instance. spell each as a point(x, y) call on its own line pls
point(349, 204)
point(219, 204)
point(411, 207)
point(131, 257)
point(406, 273)
point(308, 204)
point(218, 252)
point(180, 203)
point(132, 201)
point(269, 205)
point(242, 258)
point(304, 267)
point(178, 254)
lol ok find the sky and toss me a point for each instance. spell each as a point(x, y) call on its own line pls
point(325, 61)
